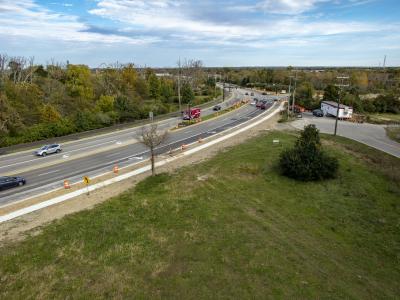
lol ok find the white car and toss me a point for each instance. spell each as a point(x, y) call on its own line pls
point(48, 149)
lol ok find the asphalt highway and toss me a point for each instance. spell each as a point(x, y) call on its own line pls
point(103, 152)
point(15, 163)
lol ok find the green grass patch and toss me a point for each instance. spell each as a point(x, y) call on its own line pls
point(393, 132)
point(384, 118)
point(231, 227)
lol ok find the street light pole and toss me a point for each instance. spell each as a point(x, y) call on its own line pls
point(341, 86)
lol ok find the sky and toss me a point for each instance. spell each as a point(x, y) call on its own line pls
point(224, 33)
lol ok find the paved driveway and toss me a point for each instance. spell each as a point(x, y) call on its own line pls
point(369, 134)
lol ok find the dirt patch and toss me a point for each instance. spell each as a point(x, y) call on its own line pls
point(18, 229)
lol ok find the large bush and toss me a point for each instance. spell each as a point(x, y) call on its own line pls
point(307, 161)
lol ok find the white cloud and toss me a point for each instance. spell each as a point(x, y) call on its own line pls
point(170, 18)
point(25, 18)
point(289, 7)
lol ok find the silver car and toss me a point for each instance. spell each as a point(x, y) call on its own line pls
point(48, 149)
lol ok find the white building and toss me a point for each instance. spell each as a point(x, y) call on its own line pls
point(329, 108)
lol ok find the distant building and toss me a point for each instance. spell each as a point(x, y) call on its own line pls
point(163, 75)
point(329, 108)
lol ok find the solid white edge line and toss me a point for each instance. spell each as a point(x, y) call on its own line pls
point(96, 186)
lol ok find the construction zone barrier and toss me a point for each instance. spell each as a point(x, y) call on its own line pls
point(115, 169)
point(66, 185)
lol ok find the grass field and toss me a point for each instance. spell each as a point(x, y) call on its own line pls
point(393, 132)
point(384, 118)
point(230, 228)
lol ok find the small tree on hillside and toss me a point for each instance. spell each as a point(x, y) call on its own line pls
point(187, 93)
point(152, 138)
point(307, 161)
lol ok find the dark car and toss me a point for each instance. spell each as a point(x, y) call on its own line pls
point(217, 107)
point(263, 106)
point(247, 94)
point(7, 182)
point(318, 113)
point(264, 93)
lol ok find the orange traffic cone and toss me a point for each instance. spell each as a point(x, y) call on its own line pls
point(66, 184)
point(115, 169)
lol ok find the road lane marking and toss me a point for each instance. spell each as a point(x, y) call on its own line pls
point(59, 199)
point(114, 154)
point(51, 172)
point(41, 158)
point(136, 157)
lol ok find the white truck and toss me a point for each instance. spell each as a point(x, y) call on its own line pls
point(329, 108)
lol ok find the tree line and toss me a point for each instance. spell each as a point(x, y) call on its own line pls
point(44, 101)
point(314, 86)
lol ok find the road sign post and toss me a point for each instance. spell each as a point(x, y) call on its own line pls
point(86, 181)
point(151, 116)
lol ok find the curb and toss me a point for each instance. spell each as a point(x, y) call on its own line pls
point(141, 170)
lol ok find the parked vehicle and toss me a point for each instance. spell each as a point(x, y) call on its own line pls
point(258, 104)
point(252, 94)
point(7, 182)
point(217, 108)
point(194, 113)
point(330, 108)
point(264, 93)
point(48, 149)
point(263, 106)
point(318, 113)
point(247, 94)
point(299, 115)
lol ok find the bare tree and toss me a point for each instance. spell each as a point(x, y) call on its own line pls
point(152, 138)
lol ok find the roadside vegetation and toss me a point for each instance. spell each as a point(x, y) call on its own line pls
point(371, 91)
point(44, 101)
point(230, 227)
point(384, 118)
point(40, 102)
point(393, 133)
point(307, 161)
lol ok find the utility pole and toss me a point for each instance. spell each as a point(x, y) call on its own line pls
point(215, 86)
point(223, 90)
point(290, 89)
point(294, 91)
point(341, 85)
point(179, 84)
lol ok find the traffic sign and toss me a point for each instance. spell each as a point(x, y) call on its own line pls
point(86, 180)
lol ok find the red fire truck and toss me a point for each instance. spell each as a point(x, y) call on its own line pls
point(193, 113)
